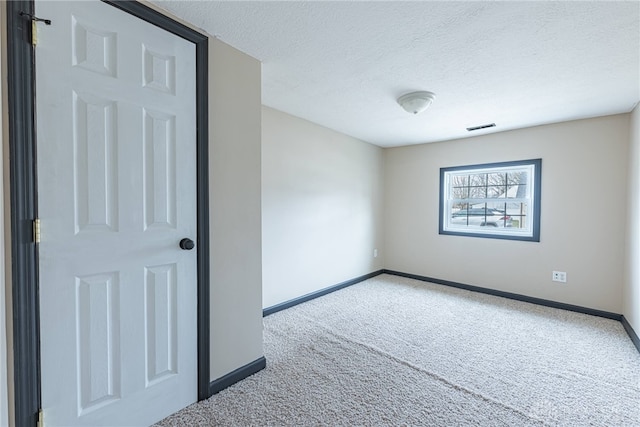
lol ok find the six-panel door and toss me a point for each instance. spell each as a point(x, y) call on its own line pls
point(116, 193)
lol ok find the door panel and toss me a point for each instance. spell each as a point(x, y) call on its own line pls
point(116, 159)
point(159, 168)
point(95, 168)
point(98, 339)
point(160, 322)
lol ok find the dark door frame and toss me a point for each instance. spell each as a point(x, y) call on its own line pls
point(23, 202)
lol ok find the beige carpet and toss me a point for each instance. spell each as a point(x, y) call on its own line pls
point(395, 351)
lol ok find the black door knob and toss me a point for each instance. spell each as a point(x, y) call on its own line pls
point(187, 244)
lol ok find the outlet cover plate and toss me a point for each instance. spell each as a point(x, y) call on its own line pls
point(559, 276)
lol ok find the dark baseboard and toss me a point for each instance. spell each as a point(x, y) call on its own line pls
point(518, 297)
point(239, 374)
point(631, 332)
point(284, 305)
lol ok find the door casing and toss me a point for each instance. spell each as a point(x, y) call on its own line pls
point(23, 199)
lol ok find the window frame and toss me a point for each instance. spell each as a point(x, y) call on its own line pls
point(535, 192)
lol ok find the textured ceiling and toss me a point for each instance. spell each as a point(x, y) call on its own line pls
point(342, 64)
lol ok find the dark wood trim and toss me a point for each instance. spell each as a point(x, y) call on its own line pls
point(23, 190)
point(239, 374)
point(518, 297)
point(308, 297)
point(22, 182)
point(204, 262)
point(632, 334)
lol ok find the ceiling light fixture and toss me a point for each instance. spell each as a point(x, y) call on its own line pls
point(416, 102)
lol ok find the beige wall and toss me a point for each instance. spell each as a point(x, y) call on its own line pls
point(322, 207)
point(631, 296)
point(235, 204)
point(584, 176)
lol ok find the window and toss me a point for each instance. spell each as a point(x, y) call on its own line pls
point(497, 200)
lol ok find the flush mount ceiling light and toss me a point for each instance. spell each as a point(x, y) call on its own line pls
point(416, 102)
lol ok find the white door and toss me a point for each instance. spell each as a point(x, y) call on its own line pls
point(116, 155)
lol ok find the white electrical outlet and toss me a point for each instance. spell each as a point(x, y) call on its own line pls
point(559, 276)
point(375, 253)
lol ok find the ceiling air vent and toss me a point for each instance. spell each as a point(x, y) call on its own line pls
point(490, 125)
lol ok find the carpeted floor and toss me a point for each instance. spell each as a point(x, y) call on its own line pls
point(395, 351)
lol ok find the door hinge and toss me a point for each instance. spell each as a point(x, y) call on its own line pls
point(36, 230)
point(34, 28)
point(34, 33)
point(40, 418)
